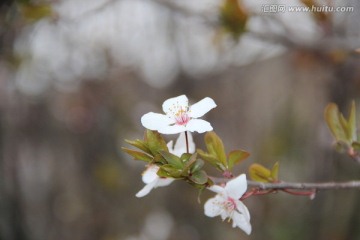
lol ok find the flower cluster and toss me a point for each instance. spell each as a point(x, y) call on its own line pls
point(168, 162)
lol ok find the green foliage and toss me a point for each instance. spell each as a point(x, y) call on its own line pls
point(138, 155)
point(233, 18)
point(236, 157)
point(172, 159)
point(155, 142)
point(153, 150)
point(34, 12)
point(344, 130)
point(199, 177)
point(260, 173)
point(139, 144)
point(151, 147)
point(216, 155)
point(215, 147)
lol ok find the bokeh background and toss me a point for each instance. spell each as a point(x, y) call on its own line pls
point(77, 75)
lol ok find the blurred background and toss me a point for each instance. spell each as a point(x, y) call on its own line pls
point(77, 75)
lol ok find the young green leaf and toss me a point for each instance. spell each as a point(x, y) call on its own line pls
point(211, 159)
point(155, 142)
point(233, 18)
point(356, 146)
point(138, 155)
point(336, 125)
point(343, 130)
point(236, 157)
point(215, 147)
point(140, 145)
point(199, 177)
point(259, 173)
point(185, 157)
point(172, 159)
point(275, 172)
point(197, 165)
point(171, 171)
point(189, 162)
point(163, 173)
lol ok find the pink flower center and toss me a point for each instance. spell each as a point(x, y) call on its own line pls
point(182, 117)
point(230, 205)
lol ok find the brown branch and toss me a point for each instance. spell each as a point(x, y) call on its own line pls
point(305, 186)
point(294, 185)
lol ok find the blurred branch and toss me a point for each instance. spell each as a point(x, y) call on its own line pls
point(295, 185)
point(305, 186)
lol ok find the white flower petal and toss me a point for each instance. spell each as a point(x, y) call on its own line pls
point(180, 145)
point(152, 180)
point(170, 146)
point(237, 186)
point(240, 221)
point(213, 207)
point(192, 146)
point(172, 129)
point(198, 125)
point(156, 121)
point(200, 108)
point(217, 189)
point(146, 189)
point(224, 215)
point(240, 206)
point(162, 182)
point(149, 175)
point(175, 103)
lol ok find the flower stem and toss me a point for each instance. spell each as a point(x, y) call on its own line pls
point(187, 142)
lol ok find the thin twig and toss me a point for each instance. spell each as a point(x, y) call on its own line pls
point(304, 186)
point(295, 185)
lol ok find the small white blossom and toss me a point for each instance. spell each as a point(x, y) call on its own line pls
point(152, 180)
point(150, 177)
point(227, 204)
point(179, 116)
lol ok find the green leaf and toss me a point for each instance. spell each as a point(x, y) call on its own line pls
point(336, 122)
point(356, 146)
point(197, 165)
point(211, 159)
point(215, 147)
point(163, 173)
point(35, 12)
point(155, 142)
point(172, 159)
point(199, 177)
point(185, 157)
point(259, 173)
point(233, 18)
point(236, 157)
point(189, 162)
point(140, 145)
point(275, 172)
point(171, 171)
point(138, 155)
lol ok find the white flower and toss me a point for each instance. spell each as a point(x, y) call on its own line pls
point(152, 180)
point(180, 117)
point(180, 145)
point(227, 204)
